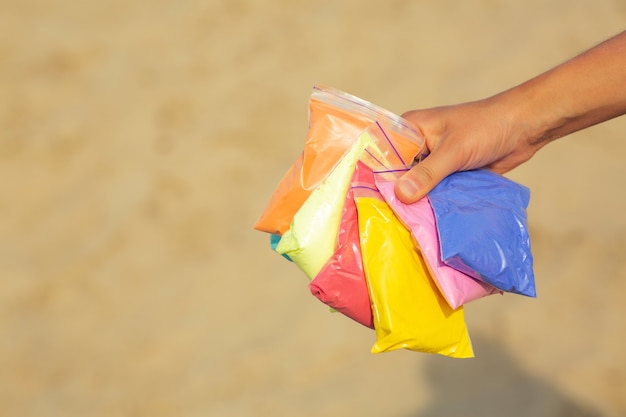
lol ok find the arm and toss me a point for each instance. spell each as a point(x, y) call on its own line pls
point(505, 130)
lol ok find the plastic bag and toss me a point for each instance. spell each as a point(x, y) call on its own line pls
point(335, 121)
point(274, 241)
point(483, 229)
point(408, 310)
point(312, 237)
point(341, 283)
point(457, 287)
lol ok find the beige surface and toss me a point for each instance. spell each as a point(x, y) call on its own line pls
point(140, 140)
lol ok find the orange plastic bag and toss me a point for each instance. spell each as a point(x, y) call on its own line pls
point(335, 121)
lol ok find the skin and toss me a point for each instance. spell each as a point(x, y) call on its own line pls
point(503, 131)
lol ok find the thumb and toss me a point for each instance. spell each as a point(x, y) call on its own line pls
point(422, 178)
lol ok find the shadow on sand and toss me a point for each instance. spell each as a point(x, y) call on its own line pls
point(493, 384)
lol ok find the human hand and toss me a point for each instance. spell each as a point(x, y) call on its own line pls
point(479, 134)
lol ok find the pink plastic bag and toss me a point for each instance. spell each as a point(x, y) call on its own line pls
point(456, 287)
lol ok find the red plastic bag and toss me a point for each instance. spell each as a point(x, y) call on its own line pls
point(341, 283)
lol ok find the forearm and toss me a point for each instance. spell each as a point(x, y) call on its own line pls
point(586, 90)
point(501, 132)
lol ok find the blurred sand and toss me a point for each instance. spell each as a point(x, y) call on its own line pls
point(139, 142)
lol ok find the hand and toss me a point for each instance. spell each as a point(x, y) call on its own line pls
point(463, 137)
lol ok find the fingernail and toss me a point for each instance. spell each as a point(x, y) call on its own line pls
point(407, 187)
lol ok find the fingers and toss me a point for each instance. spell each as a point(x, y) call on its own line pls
point(423, 177)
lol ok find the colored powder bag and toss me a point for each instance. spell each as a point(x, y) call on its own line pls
point(408, 310)
point(341, 283)
point(311, 239)
point(483, 229)
point(456, 287)
point(335, 121)
point(274, 240)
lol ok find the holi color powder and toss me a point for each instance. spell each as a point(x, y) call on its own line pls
point(408, 310)
point(457, 288)
point(341, 283)
point(312, 238)
point(483, 229)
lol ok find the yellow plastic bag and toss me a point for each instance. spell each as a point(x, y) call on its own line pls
point(408, 310)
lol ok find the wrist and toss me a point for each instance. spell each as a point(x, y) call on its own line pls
point(534, 116)
point(524, 125)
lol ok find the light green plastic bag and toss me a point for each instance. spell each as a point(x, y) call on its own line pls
point(311, 238)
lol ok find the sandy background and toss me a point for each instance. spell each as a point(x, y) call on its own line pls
point(139, 141)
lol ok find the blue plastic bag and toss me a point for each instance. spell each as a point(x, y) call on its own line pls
point(483, 229)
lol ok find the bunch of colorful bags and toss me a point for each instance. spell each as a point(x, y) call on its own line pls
point(404, 270)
